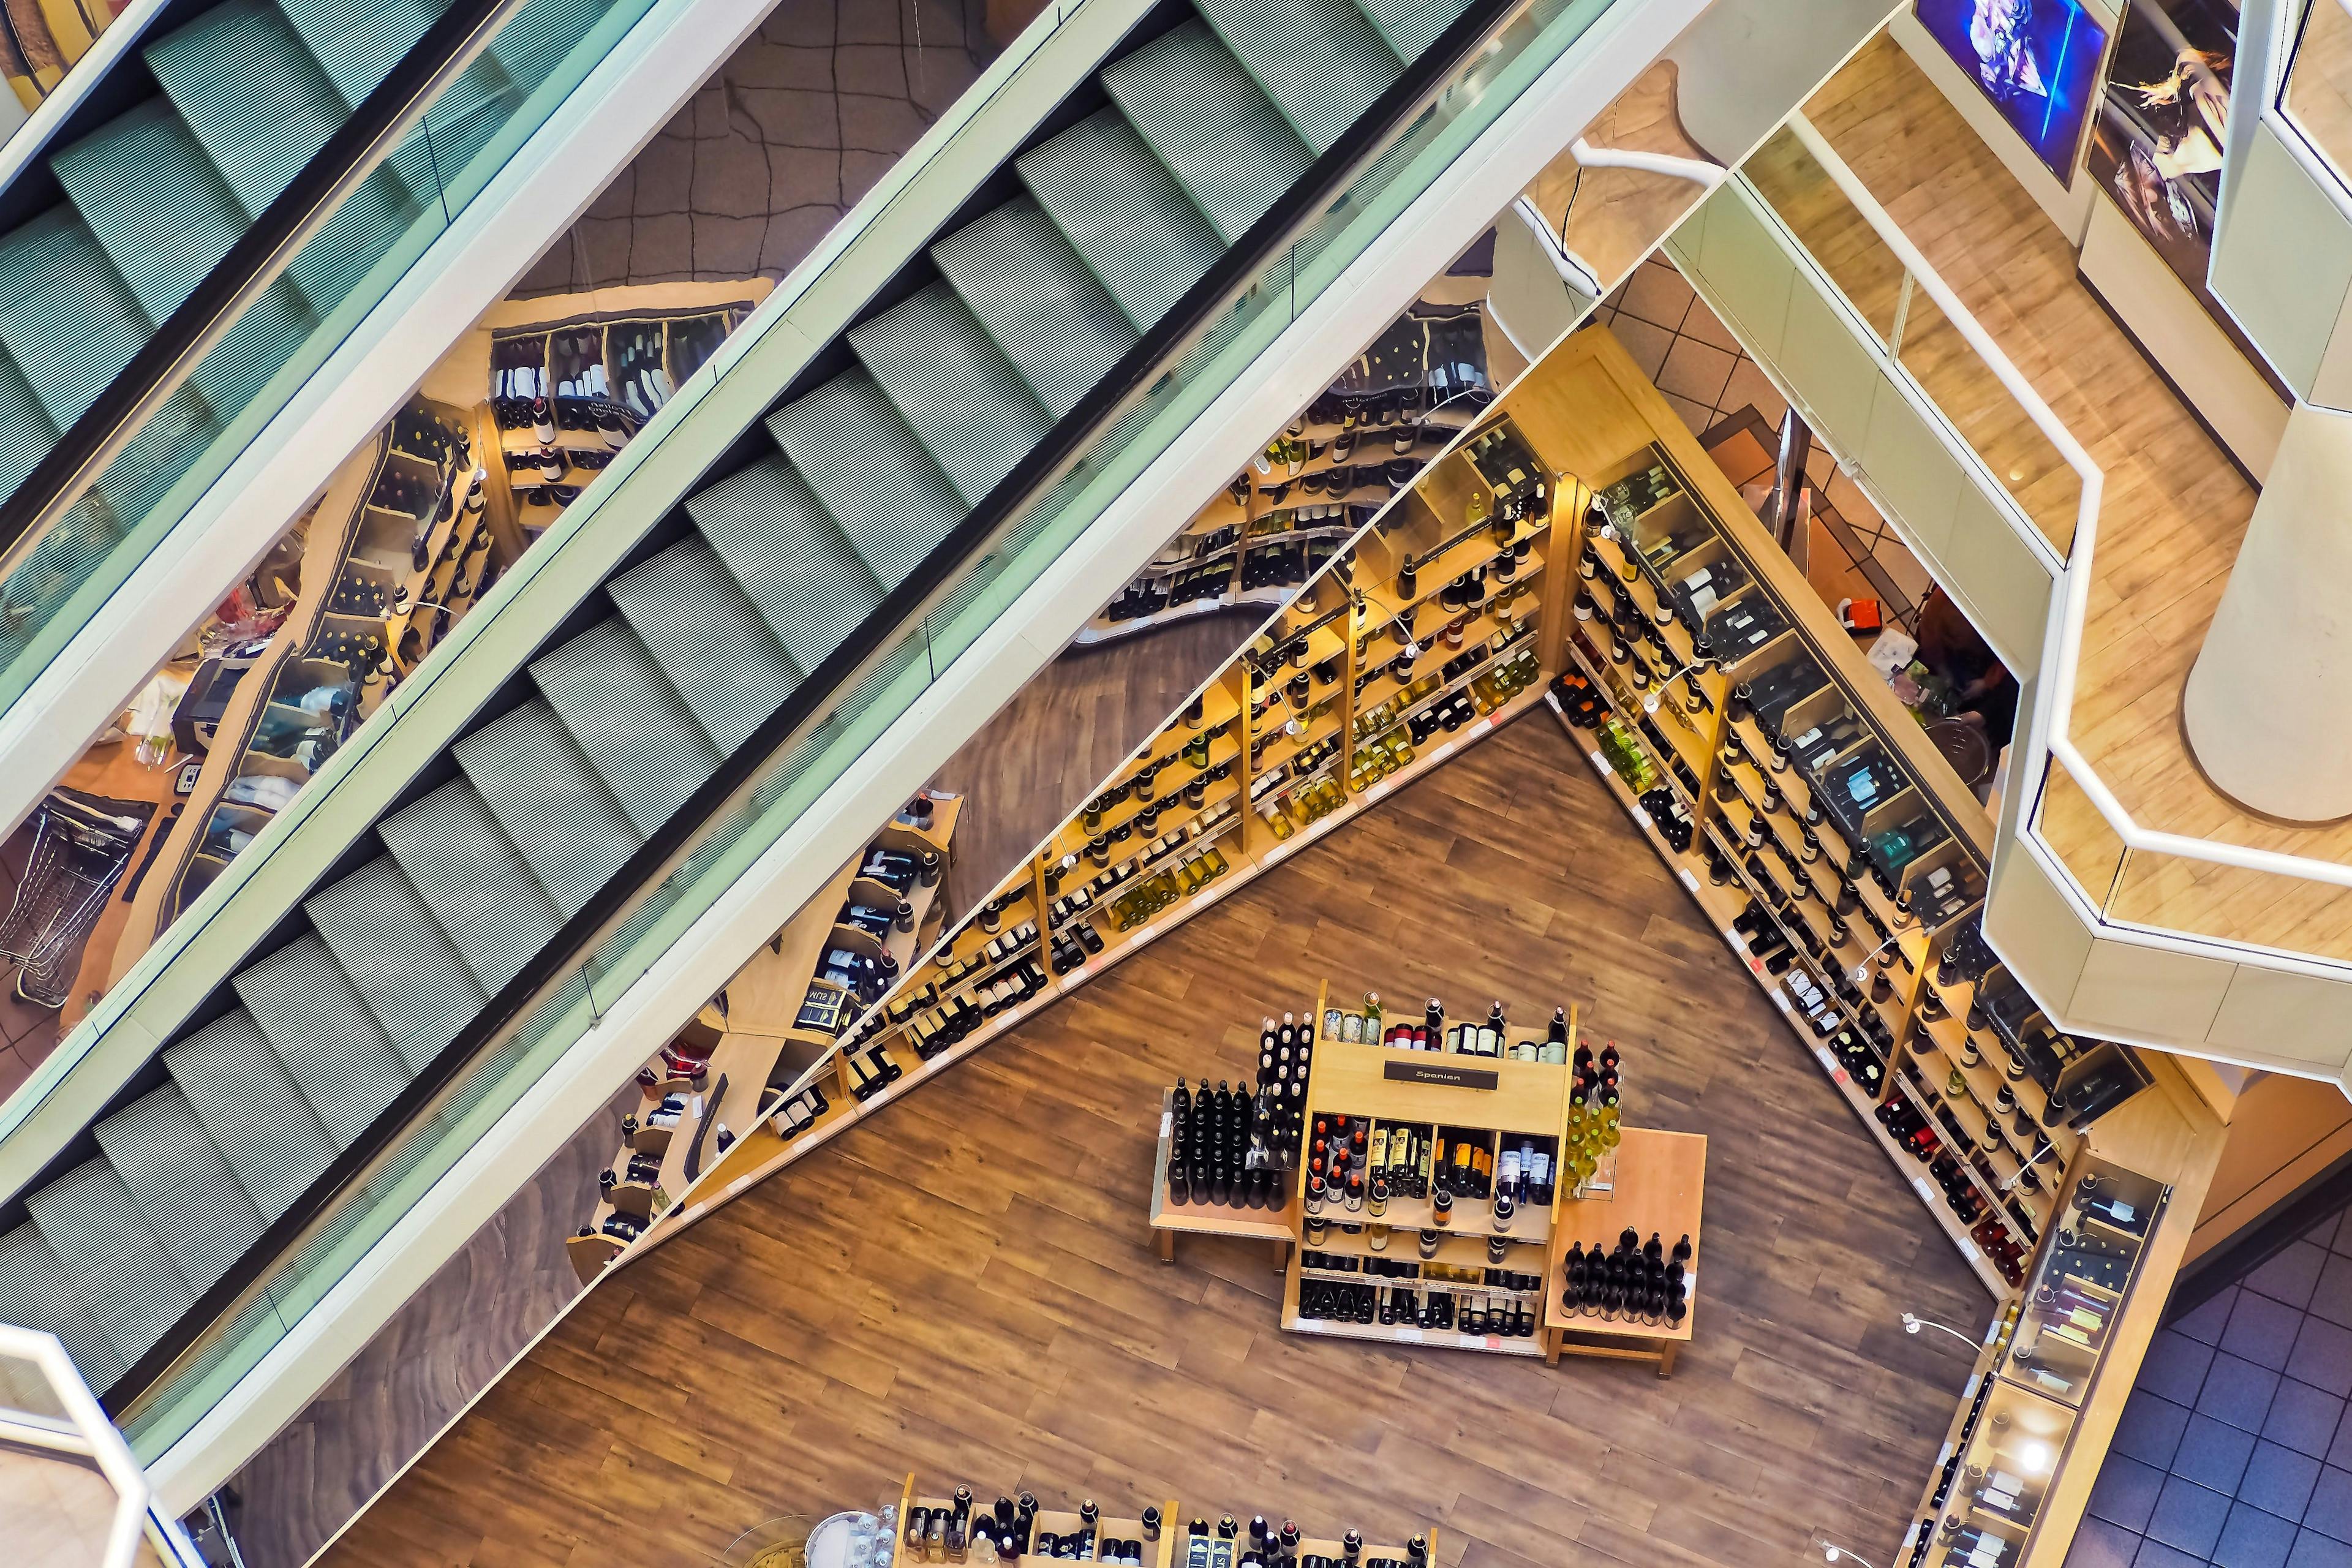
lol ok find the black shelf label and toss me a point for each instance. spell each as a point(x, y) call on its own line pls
point(1418, 1071)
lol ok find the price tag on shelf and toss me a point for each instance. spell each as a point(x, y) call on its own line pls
point(1410, 1336)
point(1969, 1249)
point(1167, 1123)
point(1968, 1390)
point(1927, 1194)
point(1828, 1065)
point(1688, 880)
point(1494, 1342)
point(1639, 816)
point(1600, 763)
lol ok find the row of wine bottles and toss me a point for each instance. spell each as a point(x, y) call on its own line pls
point(1402, 1306)
point(1632, 1281)
point(964, 1531)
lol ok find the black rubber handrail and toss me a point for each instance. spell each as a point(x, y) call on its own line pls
point(163, 364)
point(1315, 190)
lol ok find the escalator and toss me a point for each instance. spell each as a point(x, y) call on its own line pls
point(1122, 226)
point(208, 215)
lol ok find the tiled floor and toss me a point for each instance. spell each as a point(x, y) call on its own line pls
point(808, 113)
point(2234, 1449)
point(1708, 378)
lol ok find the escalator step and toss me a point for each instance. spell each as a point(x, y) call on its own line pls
point(358, 45)
point(252, 1110)
point(629, 721)
point(1412, 26)
point(156, 204)
point(1199, 112)
point(304, 1006)
point(1321, 61)
point(1122, 210)
point(708, 640)
point(482, 892)
point(125, 1282)
point(419, 991)
point(954, 390)
point(561, 819)
point(250, 94)
point(35, 1295)
point(1037, 300)
point(787, 557)
point(182, 1183)
point(869, 473)
point(65, 315)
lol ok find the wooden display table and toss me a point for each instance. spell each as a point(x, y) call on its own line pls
point(1171, 1220)
point(1661, 1181)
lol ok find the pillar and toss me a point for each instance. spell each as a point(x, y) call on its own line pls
point(2268, 706)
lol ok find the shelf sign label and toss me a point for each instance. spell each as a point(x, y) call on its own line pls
point(1440, 1073)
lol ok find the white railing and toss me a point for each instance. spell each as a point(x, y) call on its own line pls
point(2049, 734)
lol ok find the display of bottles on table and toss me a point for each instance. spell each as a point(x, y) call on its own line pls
point(1633, 1281)
point(962, 1528)
point(961, 1532)
point(1404, 1306)
point(1229, 1149)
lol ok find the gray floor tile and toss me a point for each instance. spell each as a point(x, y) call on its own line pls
point(2151, 1429)
point(2332, 1298)
point(2278, 1480)
point(2313, 1550)
point(2252, 1539)
point(2303, 1417)
point(2330, 1508)
point(2212, 1454)
point(2098, 1544)
point(2323, 1357)
point(2289, 1275)
point(2238, 1392)
point(2263, 1330)
point(2188, 1516)
point(2125, 1491)
point(2157, 1554)
point(2176, 1366)
point(2206, 1323)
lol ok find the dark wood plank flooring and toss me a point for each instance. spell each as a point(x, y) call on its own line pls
point(1033, 762)
point(964, 1286)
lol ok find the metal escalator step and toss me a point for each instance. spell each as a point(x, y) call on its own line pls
point(182, 1183)
point(27, 431)
point(964, 402)
point(789, 558)
point(1202, 116)
point(65, 315)
point(1038, 300)
point(419, 991)
point(708, 638)
point(1321, 61)
point(554, 810)
point(365, 226)
point(251, 95)
point(632, 726)
point(115, 1263)
point(1122, 210)
point(253, 1110)
point(1412, 26)
point(480, 891)
point(357, 44)
point(154, 202)
point(34, 1294)
point(869, 473)
point(304, 1005)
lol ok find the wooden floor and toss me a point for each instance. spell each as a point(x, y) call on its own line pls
point(2174, 514)
point(439, 1349)
point(1097, 704)
point(964, 1285)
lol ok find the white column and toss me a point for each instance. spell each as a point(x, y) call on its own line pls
point(2268, 706)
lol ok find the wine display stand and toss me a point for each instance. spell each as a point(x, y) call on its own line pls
point(1318, 484)
point(1463, 1099)
point(1174, 1547)
point(1171, 1220)
point(1660, 1190)
point(317, 680)
point(756, 1041)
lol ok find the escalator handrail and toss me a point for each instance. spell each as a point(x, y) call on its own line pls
point(164, 363)
point(1321, 184)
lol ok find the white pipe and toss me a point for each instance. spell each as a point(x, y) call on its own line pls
point(1705, 175)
